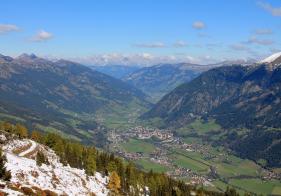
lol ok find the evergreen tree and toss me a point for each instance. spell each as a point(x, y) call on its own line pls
point(4, 174)
point(59, 148)
point(111, 166)
point(131, 174)
point(51, 139)
point(40, 159)
point(90, 161)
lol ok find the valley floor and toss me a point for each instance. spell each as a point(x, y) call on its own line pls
point(192, 160)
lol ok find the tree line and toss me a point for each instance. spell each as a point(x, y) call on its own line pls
point(124, 177)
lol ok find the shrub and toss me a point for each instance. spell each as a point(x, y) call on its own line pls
point(27, 191)
point(50, 193)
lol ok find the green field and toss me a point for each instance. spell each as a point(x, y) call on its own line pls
point(245, 172)
point(276, 190)
point(233, 167)
point(135, 145)
point(244, 168)
point(148, 165)
point(186, 162)
point(257, 186)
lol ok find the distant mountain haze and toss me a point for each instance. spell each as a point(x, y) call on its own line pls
point(116, 71)
point(158, 80)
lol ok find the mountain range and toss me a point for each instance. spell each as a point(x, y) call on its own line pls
point(158, 80)
point(74, 100)
point(61, 95)
point(237, 97)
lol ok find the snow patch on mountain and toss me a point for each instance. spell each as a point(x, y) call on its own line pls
point(29, 150)
point(63, 180)
point(8, 191)
point(271, 58)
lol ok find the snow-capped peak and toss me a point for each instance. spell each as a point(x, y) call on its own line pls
point(271, 58)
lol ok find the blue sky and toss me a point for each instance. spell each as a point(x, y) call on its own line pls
point(139, 32)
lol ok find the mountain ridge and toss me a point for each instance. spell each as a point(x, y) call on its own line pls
point(238, 98)
point(160, 79)
point(63, 92)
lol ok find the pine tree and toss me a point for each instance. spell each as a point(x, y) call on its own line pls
point(90, 161)
point(40, 159)
point(114, 183)
point(131, 175)
point(4, 174)
point(51, 139)
point(111, 166)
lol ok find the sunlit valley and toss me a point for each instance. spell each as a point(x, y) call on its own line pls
point(128, 104)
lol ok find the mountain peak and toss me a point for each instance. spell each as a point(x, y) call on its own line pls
point(274, 59)
point(4, 58)
point(33, 61)
point(27, 56)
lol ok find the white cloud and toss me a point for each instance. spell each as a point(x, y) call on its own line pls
point(239, 47)
point(264, 42)
point(275, 11)
point(150, 45)
point(180, 44)
point(140, 59)
point(198, 25)
point(42, 36)
point(5, 28)
point(263, 31)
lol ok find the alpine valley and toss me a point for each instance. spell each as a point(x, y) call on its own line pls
point(140, 98)
point(215, 126)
